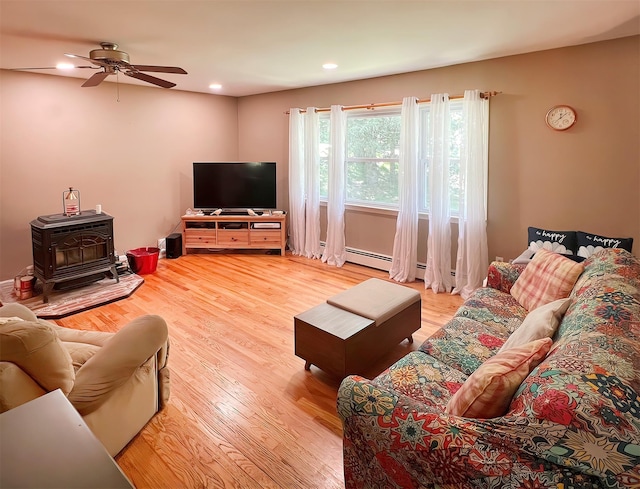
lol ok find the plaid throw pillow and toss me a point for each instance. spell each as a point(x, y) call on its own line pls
point(487, 392)
point(548, 277)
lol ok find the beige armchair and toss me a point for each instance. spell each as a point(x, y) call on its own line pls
point(116, 381)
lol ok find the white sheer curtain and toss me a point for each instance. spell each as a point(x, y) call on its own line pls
point(405, 244)
point(335, 252)
point(304, 183)
point(312, 247)
point(296, 182)
point(437, 275)
point(473, 257)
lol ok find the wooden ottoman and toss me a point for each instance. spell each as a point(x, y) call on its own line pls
point(349, 332)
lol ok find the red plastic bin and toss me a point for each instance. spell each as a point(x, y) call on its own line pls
point(143, 260)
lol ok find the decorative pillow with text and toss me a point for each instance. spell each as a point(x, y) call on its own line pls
point(588, 243)
point(563, 242)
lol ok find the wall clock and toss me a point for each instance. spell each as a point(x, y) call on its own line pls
point(561, 117)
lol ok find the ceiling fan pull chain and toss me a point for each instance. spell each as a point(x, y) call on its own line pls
point(118, 86)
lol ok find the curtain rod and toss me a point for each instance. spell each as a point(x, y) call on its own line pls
point(486, 95)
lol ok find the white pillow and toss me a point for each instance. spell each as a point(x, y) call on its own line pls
point(524, 258)
point(542, 322)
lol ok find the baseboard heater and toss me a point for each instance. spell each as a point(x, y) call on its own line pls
point(376, 260)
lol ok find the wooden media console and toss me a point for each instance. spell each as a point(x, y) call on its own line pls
point(234, 231)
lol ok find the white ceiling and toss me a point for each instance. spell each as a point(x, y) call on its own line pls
point(253, 47)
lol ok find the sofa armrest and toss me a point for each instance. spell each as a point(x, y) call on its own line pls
point(117, 361)
point(17, 387)
point(399, 442)
point(15, 309)
point(503, 275)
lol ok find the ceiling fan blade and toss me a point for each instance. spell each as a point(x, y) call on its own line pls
point(150, 79)
point(38, 68)
point(95, 79)
point(77, 56)
point(94, 61)
point(51, 68)
point(159, 69)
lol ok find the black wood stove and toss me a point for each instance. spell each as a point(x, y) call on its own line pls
point(72, 250)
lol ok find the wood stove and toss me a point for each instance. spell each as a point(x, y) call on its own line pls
point(72, 250)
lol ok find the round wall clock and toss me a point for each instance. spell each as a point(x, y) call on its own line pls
point(560, 117)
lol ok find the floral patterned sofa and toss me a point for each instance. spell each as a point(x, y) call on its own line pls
point(573, 423)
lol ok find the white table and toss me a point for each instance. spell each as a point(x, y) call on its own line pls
point(45, 443)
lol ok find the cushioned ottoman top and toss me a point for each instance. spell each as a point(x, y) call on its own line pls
point(375, 299)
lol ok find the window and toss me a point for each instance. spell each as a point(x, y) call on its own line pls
point(373, 147)
point(455, 147)
point(324, 124)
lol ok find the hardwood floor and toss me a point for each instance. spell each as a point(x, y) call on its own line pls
point(243, 412)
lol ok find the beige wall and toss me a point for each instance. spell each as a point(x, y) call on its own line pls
point(586, 178)
point(133, 156)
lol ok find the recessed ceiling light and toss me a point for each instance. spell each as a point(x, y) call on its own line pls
point(215, 86)
point(65, 66)
point(329, 66)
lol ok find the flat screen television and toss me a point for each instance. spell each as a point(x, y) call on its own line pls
point(234, 185)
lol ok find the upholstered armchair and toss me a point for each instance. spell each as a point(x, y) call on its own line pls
point(116, 381)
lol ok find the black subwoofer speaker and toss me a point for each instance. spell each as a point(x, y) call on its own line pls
point(173, 242)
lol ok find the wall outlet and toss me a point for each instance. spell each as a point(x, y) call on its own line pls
point(499, 258)
point(162, 246)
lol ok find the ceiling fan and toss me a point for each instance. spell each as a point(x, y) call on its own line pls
point(112, 61)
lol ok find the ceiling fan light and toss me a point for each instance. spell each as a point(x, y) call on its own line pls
point(215, 86)
point(65, 66)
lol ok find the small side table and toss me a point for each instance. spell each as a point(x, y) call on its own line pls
point(45, 443)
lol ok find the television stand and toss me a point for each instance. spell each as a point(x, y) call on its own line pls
point(234, 231)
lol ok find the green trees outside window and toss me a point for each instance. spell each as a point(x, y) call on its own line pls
point(372, 153)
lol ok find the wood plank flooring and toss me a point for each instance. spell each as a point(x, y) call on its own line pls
point(243, 412)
